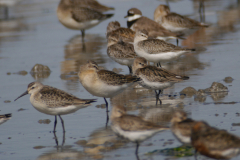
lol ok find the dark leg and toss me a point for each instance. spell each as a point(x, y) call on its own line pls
point(63, 141)
point(6, 12)
point(107, 119)
point(167, 3)
point(62, 123)
point(55, 124)
point(177, 42)
point(159, 65)
point(137, 146)
point(130, 69)
point(106, 104)
point(56, 139)
point(157, 97)
point(203, 10)
point(83, 35)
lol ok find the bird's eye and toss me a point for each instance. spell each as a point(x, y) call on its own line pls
point(32, 87)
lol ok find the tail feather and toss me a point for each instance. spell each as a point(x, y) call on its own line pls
point(192, 49)
point(6, 115)
point(182, 77)
point(109, 15)
point(88, 101)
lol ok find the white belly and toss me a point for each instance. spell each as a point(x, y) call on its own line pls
point(173, 28)
point(134, 136)
point(55, 110)
point(70, 23)
point(158, 57)
point(101, 89)
point(154, 85)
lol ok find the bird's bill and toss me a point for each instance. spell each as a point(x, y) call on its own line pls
point(25, 93)
point(126, 16)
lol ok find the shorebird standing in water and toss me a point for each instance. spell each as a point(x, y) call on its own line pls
point(181, 126)
point(103, 83)
point(156, 50)
point(53, 101)
point(213, 142)
point(154, 78)
point(74, 16)
point(131, 127)
point(175, 22)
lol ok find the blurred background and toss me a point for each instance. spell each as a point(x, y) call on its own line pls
point(30, 34)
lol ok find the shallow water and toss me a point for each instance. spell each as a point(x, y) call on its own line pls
point(33, 35)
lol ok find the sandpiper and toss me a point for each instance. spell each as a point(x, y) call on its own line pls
point(138, 22)
point(5, 117)
point(121, 52)
point(173, 21)
point(74, 16)
point(132, 127)
point(181, 126)
point(213, 142)
point(154, 78)
point(114, 30)
point(156, 50)
point(103, 83)
point(93, 4)
point(53, 101)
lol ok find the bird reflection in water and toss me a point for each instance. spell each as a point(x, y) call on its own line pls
point(56, 140)
point(76, 55)
point(100, 141)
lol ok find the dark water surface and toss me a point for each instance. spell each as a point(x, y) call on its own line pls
point(33, 35)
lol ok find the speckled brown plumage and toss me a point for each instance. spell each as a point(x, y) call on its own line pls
point(155, 46)
point(154, 29)
point(156, 74)
point(112, 78)
point(181, 21)
point(121, 50)
point(81, 14)
point(93, 4)
point(53, 97)
point(126, 34)
point(135, 123)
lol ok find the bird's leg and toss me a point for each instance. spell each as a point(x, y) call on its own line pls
point(63, 141)
point(137, 146)
point(157, 97)
point(62, 123)
point(130, 69)
point(177, 42)
point(56, 139)
point(55, 124)
point(203, 10)
point(106, 104)
point(159, 65)
point(106, 111)
point(167, 3)
point(107, 119)
point(6, 12)
point(83, 35)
